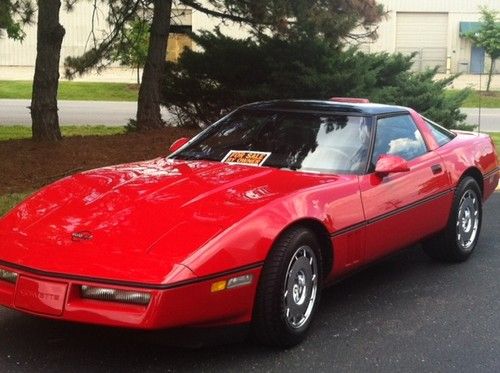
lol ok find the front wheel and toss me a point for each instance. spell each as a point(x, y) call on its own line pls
point(458, 240)
point(289, 289)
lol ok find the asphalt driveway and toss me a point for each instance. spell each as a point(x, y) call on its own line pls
point(406, 314)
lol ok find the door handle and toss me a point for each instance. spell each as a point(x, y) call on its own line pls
point(436, 169)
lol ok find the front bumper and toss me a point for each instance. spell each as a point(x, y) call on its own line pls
point(186, 304)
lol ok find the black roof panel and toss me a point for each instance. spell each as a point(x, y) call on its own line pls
point(333, 106)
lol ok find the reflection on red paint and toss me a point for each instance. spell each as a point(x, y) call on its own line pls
point(40, 296)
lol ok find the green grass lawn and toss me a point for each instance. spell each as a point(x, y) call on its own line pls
point(87, 91)
point(488, 99)
point(17, 89)
point(24, 132)
point(8, 201)
point(496, 139)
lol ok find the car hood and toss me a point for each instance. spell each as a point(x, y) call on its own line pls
point(137, 221)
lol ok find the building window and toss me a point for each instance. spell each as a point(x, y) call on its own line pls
point(176, 44)
point(180, 28)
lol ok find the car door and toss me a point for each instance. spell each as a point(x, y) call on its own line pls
point(400, 208)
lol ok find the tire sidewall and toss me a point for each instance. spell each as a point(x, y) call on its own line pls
point(468, 183)
point(306, 238)
point(270, 325)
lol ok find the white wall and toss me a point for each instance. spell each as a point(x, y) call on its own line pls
point(77, 23)
point(458, 11)
point(78, 27)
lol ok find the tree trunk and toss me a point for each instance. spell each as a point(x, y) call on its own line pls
point(50, 33)
point(148, 109)
point(490, 74)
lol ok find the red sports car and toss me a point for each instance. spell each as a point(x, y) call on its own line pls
point(247, 221)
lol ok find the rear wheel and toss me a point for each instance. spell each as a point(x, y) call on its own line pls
point(289, 289)
point(458, 240)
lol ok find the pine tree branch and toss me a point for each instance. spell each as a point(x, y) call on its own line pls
point(92, 58)
point(227, 16)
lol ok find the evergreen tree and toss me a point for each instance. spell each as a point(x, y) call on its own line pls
point(229, 72)
point(14, 14)
point(333, 20)
point(50, 34)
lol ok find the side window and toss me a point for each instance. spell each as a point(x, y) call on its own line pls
point(399, 136)
point(442, 135)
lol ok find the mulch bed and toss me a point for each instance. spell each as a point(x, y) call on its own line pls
point(26, 165)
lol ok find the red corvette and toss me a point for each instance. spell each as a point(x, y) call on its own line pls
point(248, 221)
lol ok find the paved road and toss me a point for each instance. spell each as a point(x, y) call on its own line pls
point(118, 113)
point(406, 314)
point(110, 113)
point(490, 118)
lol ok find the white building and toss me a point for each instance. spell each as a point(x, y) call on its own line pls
point(432, 28)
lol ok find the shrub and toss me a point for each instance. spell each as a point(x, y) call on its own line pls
point(229, 72)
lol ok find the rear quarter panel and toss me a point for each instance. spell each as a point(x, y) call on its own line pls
point(471, 150)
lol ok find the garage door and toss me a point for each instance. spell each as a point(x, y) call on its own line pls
point(425, 34)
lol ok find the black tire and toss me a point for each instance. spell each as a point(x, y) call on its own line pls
point(458, 240)
point(282, 318)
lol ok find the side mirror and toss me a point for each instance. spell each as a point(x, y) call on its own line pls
point(388, 164)
point(177, 144)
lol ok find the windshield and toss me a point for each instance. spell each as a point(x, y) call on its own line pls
point(314, 142)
